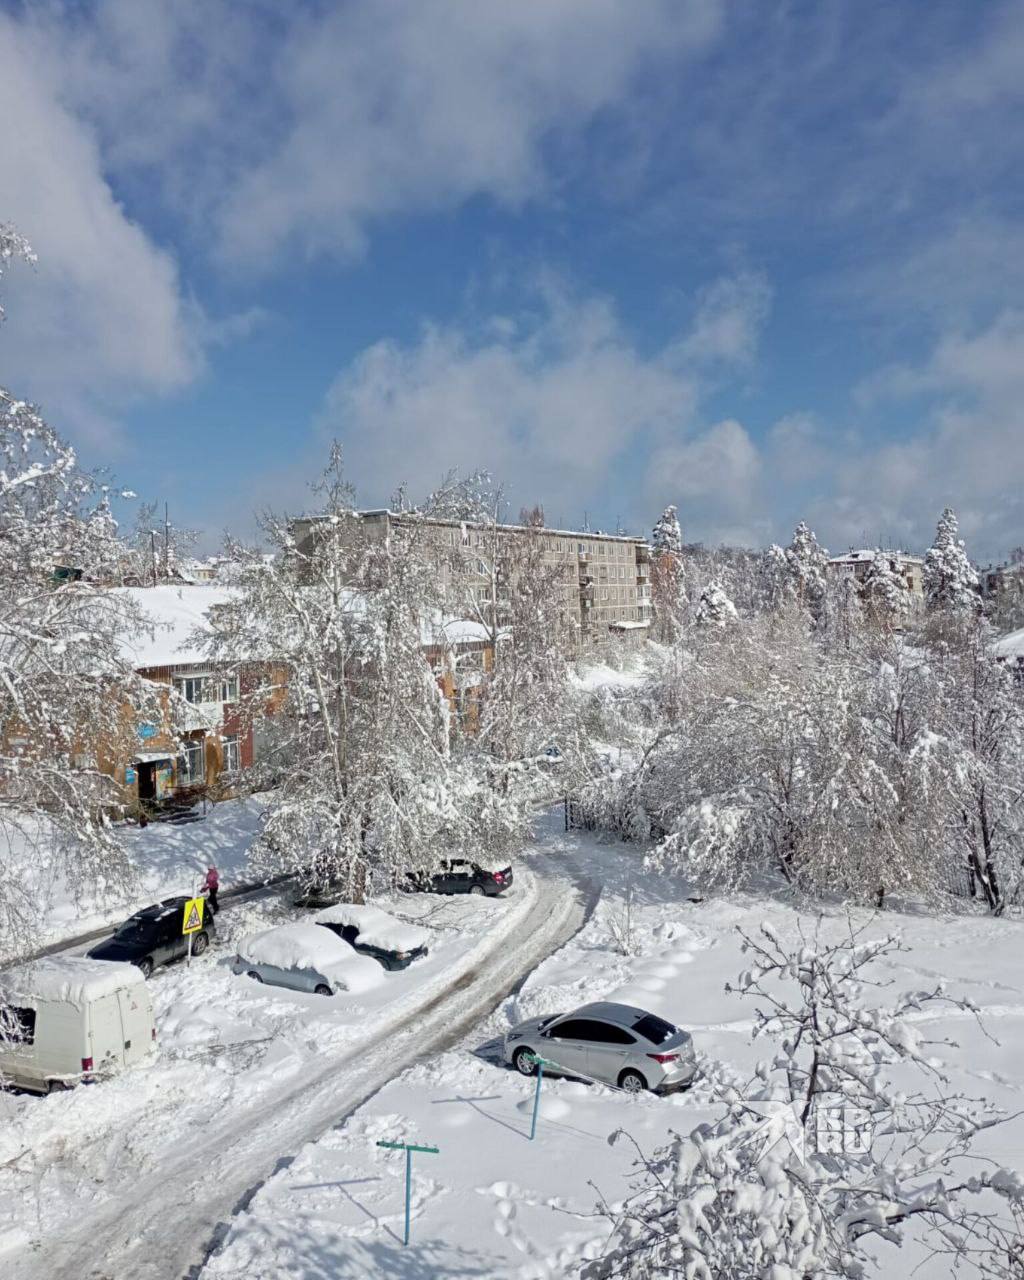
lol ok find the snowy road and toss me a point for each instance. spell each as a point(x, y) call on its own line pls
point(164, 1226)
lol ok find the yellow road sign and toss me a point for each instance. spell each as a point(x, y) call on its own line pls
point(193, 921)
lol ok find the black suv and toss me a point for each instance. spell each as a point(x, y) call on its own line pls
point(460, 876)
point(153, 936)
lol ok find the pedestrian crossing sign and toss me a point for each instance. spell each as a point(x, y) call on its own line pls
point(193, 921)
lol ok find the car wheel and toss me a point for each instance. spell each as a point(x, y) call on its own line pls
point(145, 966)
point(199, 943)
point(523, 1061)
point(477, 889)
point(632, 1082)
point(256, 977)
point(322, 989)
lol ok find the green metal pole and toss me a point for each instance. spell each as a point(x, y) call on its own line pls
point(536, 1099)
point(408, 1190)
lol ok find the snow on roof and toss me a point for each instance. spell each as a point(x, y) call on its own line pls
point(308, 946)
point(173, 613)
point(1010, 646)
point(629, 624)
point(376, 927)
point(867, 554)
point(445, 632)
point(69, 979)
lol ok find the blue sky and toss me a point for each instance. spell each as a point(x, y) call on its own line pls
point(763, 261)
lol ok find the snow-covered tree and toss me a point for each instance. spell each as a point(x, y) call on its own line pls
point(885, 593)
point(667, 536)
point(773, 578)
point(807, 564)
point(827, 1152)
point(950, 583)
point(714, 608)
point(66, 691)
point(668, 585)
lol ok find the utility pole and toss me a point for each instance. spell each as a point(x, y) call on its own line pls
point(152, 549)
point(167, 543)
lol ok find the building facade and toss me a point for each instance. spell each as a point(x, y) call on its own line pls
point(855, 565)
point(604, 580)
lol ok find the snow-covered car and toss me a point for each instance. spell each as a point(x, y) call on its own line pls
point(459, 875)
point(71, 1020)
point(305, 957)
point(153, 936)
point(395, 944)
point(615, 1044)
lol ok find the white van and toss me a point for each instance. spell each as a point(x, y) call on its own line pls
point(67, 1019)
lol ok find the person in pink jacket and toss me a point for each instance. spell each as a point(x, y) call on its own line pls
point(210, 886)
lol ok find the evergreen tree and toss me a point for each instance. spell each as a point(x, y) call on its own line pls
point(807, 563)
point(667, 536)
point(885, 591)
point(950, 584)
point(714, 608)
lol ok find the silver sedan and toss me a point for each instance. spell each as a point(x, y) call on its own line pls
point(615, 1044)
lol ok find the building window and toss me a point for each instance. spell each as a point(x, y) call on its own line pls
point(197, 689)
point(192, 763)
point(232, 757)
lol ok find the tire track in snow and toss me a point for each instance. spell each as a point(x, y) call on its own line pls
point(173, 1218)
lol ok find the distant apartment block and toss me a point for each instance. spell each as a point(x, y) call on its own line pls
point(855, 564)
point(603, 579)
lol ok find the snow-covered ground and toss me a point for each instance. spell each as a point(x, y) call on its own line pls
point(495, 1204)
point(245, 1074)
point(166, 858)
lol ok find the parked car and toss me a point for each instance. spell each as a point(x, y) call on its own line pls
point(153, 936)
point(71, 1020)
point(458, 875)
point(305, 957)
point(315, 895)
point(372, 932)
point(614, 1043)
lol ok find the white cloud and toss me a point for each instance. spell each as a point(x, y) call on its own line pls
point(558, 402)
point(101, 319)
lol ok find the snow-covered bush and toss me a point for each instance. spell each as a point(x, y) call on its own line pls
point(846, 1138)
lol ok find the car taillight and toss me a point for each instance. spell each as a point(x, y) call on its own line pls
point(87, 1064)
point(664, 1057)
point(499, 876)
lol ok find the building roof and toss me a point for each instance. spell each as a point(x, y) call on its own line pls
point(173, 612)
point(1010, 646)
point(508, 528)
point(866, 554)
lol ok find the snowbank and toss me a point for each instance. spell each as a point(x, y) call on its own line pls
point(376, 927)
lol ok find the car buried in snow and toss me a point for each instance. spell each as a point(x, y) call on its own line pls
point(610, 1043)
point(305, 957)
point(459, 875)
point(153, 936)
point(394, 944)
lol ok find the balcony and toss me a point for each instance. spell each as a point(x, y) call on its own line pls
point(643, 554)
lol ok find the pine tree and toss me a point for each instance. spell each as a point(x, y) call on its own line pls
point(885, 591)
point(714, 608)
point(667, 536)
point(807, 562)
point(950, 584)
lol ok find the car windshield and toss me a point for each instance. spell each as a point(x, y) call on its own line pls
point(655, 1029)
point(136, 928)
